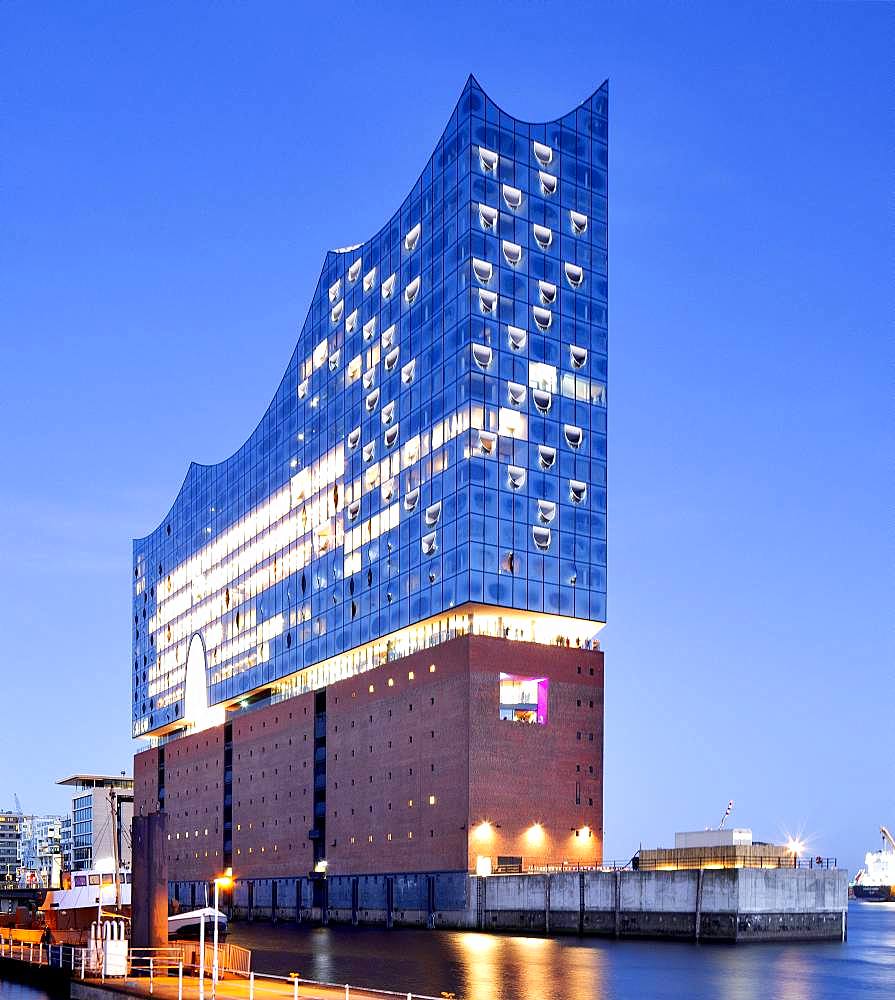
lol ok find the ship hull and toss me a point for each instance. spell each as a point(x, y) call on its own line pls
point(875, 893)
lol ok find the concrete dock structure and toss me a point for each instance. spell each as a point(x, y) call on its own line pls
point(736, 905)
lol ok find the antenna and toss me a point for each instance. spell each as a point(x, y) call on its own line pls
point(726, 814)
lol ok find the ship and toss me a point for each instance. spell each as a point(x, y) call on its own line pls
point(875, 882)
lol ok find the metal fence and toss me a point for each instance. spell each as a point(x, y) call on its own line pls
point(149, 968)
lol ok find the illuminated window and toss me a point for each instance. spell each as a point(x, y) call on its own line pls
point(431, 800)
point(523, 699)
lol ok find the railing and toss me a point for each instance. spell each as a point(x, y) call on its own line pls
point(148, 968)
point(715, 861)
point(668, 863)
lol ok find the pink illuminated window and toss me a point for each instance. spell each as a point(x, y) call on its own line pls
point(523, 699)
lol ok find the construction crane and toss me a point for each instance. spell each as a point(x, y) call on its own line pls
point(887, 836)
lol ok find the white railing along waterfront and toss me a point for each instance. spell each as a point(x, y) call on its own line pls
point(166, 966)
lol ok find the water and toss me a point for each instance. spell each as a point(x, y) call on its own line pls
point(502, 967)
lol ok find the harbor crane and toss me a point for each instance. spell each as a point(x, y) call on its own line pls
point(887, 836)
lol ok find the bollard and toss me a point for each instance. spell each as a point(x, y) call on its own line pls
point(31, 953)
point(180, 980)
point(295, 988)
point(251, 986)
point(347, 992)
point(83, 961)
point(150, 974)
point(40, 953)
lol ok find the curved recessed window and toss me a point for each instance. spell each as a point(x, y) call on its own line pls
point(579, 222)
point(411, 291)
point(354, 438)
point(353, 510)
point(408, 372)
point(515, 477)
point(482, 355)
point(512, 196)
point(429, 543)
point(487, 442)
point(512, 252)
point(574, 435)
point(482, 269)
point(543, 235)
point(548, 183)
point(574, 274)
point(577, 490)
point(388, 337)
point(351, 322)
point(369, 378)
point(337, 311)
point(411, 451)
point(391, 359)
point(542, 400)
point(387, 491)
point(546, 456)
point(547, 292)
point(488, 159)
point(354, 270)
point(303, 389)
point(487, 301)
point(517, 337)
point(370, 329)
point(388, 286)
point(412, 238)
point(369, 451)
point(411, 499)
point(370, 279)
point(372, 400)
point(543, 154)
point(391, 436)
point(334, 360)
point(515, 393)
point(488, 217)
point(334, 290)
point(433, 513)
point(578, 356)
point(388, 413)
point(546, 511)
point(543, 317)
point(541, 537)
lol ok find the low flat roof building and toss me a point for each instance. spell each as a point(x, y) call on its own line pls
point(101, 804)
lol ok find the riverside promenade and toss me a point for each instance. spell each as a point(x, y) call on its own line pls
point(162, 975)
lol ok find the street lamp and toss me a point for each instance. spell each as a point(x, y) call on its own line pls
point(224, 881)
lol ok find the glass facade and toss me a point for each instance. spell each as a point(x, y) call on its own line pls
point(438, 441)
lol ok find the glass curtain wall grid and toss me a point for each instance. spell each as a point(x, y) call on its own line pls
point(438, 438)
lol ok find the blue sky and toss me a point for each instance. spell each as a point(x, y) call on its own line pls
point(170, 177)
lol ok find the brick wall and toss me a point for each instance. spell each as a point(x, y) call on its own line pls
point(194, 797)
point(425, 730)
point(273, 789)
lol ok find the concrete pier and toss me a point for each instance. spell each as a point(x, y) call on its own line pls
point(746, 904)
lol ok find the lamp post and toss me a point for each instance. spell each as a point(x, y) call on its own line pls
point(224, 881)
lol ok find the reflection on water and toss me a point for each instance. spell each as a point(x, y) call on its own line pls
point(501, 967)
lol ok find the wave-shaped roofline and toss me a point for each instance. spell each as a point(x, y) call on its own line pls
point(471, 83)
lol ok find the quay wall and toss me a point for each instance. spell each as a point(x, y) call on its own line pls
point(722, 905)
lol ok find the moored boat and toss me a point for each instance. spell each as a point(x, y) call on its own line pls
point(875, 882)
point(188, 924)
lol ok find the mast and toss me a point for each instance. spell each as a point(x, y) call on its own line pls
point(113, 806)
